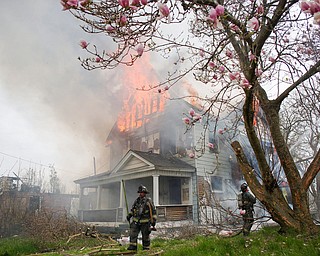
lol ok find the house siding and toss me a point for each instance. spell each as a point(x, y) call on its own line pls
point(134, 163)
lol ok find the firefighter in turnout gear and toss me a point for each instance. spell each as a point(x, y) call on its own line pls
point(245, 203)
point(143, 214)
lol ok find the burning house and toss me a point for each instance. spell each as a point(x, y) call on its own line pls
point(150, 145)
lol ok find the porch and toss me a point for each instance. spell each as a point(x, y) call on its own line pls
point(108, 197)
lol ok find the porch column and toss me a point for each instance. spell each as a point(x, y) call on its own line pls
point(80, 198)
point(121, 195)
point(155, 189)
point(98, 206)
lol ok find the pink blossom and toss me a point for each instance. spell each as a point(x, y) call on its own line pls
point(260, 9)
point(191, 155)
point(252, 57)
point(140, 50)
point(83, 44)
point(212, 15)
point(124, 3)
point(164, 10)
point(212, 64)
point(258, 72)
point(305, 6)
point(234, 76)
point(201, 53)
point(215, 77)
point(220, 131)
point(253, 24)
point(245, 83)
point(196, 117)
point(219, 10)
point(229, 53)
point(135, 2)
point(314, 7)
point(123, 20)
point(191, 112)
point(109, 28)
point(98, 59)
point(234, 27)
point(72, 3)
point(166, 87)
point(144, 2)
point(67, 4)
point(273, 60)
point(221, 69)
point(159, 90)
point(210, 145)
point(186, 120)
point(242, 212)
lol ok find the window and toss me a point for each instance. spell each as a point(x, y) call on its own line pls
point(216, 183)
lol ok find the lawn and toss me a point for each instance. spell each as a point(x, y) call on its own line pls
point(266, 241)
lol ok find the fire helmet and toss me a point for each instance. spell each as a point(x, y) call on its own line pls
point(143, 189)
point(244, 187)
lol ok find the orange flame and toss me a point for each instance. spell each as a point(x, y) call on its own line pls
point(193, 95)
point(139, 104)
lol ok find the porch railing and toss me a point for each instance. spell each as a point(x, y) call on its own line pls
point(174, 212)
point(164, 213)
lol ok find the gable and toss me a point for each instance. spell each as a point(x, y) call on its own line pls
point(131, 162)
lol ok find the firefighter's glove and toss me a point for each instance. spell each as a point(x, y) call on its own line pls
point(129, 217)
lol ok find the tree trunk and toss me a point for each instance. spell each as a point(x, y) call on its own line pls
point(297, 219)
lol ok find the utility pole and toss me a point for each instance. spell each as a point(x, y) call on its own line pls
point(94, 166)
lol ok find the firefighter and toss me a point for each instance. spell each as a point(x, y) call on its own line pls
point(246, 202)
point(143, 214)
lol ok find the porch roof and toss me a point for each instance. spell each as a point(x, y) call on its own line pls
point(138, 164)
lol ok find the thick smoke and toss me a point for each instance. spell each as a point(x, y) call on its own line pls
point(53, 111)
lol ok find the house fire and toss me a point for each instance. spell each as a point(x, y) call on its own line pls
point(150, 145)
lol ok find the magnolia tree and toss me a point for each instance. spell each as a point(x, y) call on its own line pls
point(302, 136)
point(253, 54)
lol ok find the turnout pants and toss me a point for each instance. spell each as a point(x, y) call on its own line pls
point(247, 222)
point(135, 228)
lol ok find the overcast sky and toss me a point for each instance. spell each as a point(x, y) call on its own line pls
point(53, 112)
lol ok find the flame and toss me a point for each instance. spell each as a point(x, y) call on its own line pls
point(139, 104)
point(193, 95)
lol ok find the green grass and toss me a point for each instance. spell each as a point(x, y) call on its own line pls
point(264, 242)
point(17, 246)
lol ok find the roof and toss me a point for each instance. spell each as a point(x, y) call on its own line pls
point(151, 162)
point(162, 161)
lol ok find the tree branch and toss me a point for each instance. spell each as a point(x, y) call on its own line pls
point(312, 171)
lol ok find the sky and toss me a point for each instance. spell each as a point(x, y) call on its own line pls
point(53, 111)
